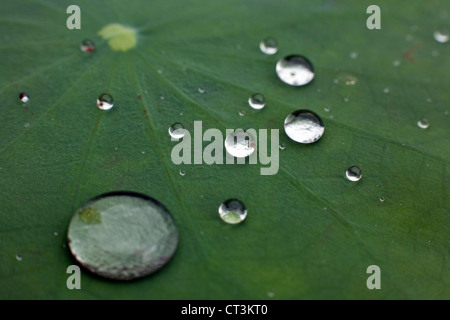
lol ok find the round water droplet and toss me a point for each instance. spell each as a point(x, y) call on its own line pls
point(396, 63)
point(232, 211)
point(24, 97)
point(19, 257)
point(27, 125)
point(269, 46)
point(295, 70)
point(105, 101)
point(257, 101)
point(353, 55)
point(122, 235)
point(326, 109)
point(423, 123)
point(382, 199)
point(201, 90)
point(242, 113)
point(282, 146)
point(353, 173)
point(386, 90)
point(177, 131)
point(87, 45)
point(441, 36)
point(304, 126)
point(182, 173)
point(270, 294)
point(240, 144)
point(55, 233)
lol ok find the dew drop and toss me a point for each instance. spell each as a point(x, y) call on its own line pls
point(201, 90)
point(159, 71)
point(304, 126)
point(295, 70)
point(396, 63)
point(257, 101)
point(19, 257)
point(270, 294)
point(382, 199)
point(242, 113)
point(326, 109)
point(282, 146)
point(232, 211)
point(24, 97)
point(240, 144)
point(423, 123)
point(177, 131)
point(346, 99)
point(182, 173)
point(55, 233)
point(353, 173)
point(27, 125)
point(105, 101)
point(122, 235)
point(386, 90)
point(441, 36)
point(353, 55)
point(269, 46)
point(87, 45)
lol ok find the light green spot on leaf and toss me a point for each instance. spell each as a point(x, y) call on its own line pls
point(120, 37)
point(90, 215)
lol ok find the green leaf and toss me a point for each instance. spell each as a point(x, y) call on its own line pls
point(309, 232)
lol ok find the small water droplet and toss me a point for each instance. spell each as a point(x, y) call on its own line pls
point(353, 173)
point(295, 70)
point(240, 144)
point(87, 45)
point(386, 90)
point(182, 173)
point(27, 125)
point(408, 37)
point(350, 80)
point(105, 101)
point(122, 235)
point(201, 90)
point(159, 71)
point(326, 109)
point(441, 36)
point(382, 199)
point(242, 113)
point(429, 100)
point(257, 101)
point(270, 294)
point(282, 146)
point(162, 98)
point(396, 63)
point(353, 55)
point(143, 152)
point(24, 97)
point(346, 99)
point(269, 46)
point(55, 233)
point(423, 123)
point(232, 211)
point(304, 126)
point(177, 131)
point(19, 257)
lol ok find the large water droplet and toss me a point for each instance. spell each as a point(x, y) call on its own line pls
point(24, 97)
point(441, 36)
point(240, 144)
point(269, 46)
point(295, 70)
point(423, 123)
point(353, 173)
point(304, 126)
point(122, 235)
point(177, 131)
point(105, 101)
point(257, 101)
point(87, 45)
point(232, 211)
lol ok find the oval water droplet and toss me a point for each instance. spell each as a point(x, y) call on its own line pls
point(353, 173)
point(232, 211)
point(295, 70)
point(304, 126)
point(55, 233)
point(354, 55)
point(423, 123)
point(269, 46)
point(105, 101)
point(257, 101)
point(19, 257)
point(201, 90)
point(177, 131)
point(24, 97)
point(282, 146)
point(240, 144)
point(87, 45)
point(386, 90)
point(182, 173)
point(382, 199)
point(396, 63)
point(122, 235)
point(242, 113)
point(441, 36)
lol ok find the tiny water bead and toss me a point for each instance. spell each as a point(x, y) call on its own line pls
point(386, 90)
point(105, 101)
point(257, 101)
point(282, 146)
point(353, 173)
point(242, 113)
point(240, 144)
point(122, 235)
point(87, 45)
point(177, 131)
point(441, 36)
point(396, 63)
point(19, 257)
point(354, 55)
point(24, 97)
point(423, 123)
point(295, 70)
point(232, 211)
point(182, 173)
point(201, 90)
point(304, 126)
point(382, 199)
point(269, 46)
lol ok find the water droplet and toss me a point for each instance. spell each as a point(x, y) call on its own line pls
point(353, 55)
point(269, 46)
point(201, 90)
point(27, 125)
point(143, 152)
point(182, 173)
point(423, 123)
point(326, 109)
point(177, 131)
point(55, 233)
point(159, 71)
point(162, 98)
point(282, 146)
point(396, 63)
point(346, 99)
point(270, 294)
point(441, 36)
point(304, 126)
point(295, 70)
point(105, 101)
point(257, 101)
point(429, 100)
point(19, 257)
point(232, 211)
point(382, 199)
point(353, 173)
point(122, 235)
point(242, 113)
point(87, 45)
point(181, 113)
point(24, 97)
point(386, 90)
point(350, 80)
point(240, 144)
